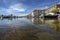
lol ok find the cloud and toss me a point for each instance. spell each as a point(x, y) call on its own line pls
point(44, 7)
point(16, 9)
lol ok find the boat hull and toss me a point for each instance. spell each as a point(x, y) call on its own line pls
point(51, 16)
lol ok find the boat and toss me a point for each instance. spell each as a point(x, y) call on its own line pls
point(51, 16)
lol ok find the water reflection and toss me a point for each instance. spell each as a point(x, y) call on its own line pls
point(53, 23)
point(36, 21)
point(30, 29)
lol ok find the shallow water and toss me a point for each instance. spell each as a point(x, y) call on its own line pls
point(29, 29)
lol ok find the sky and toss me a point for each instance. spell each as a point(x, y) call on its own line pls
point(24, 7)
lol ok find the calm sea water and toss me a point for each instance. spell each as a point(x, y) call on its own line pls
point(29, 29)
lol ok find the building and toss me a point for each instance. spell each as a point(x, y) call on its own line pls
point(36, 13)
point(29, 16)
point(56, 6)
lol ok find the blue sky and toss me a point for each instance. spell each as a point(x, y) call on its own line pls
point(23, 7)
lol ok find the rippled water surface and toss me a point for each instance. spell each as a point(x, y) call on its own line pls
point(29, 29)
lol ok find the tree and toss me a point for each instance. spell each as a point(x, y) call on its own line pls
point(55, 10)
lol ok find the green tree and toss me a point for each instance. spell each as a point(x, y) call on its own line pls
point(55, 10)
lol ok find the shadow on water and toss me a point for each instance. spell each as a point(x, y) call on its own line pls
point(30, 29)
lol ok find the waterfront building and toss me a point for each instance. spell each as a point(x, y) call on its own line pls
point(36, 13)
point(56, 6)
point(29, 16)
